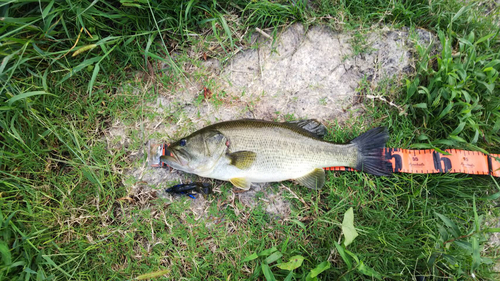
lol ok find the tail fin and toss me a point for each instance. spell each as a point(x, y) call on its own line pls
point(371, 152)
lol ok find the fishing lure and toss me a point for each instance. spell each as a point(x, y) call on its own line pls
point(190, 189)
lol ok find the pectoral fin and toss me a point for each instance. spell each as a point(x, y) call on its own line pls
point(242, 159)
point(241, 183)
point(313, 180)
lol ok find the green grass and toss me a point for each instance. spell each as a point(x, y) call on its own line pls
point(461, 94)
point(64, 211)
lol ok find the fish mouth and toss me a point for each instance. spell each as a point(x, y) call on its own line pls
point(175, 159)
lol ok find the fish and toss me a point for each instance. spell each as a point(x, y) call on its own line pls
point(251, 151)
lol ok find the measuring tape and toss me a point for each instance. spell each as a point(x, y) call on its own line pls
point(428, 161)
point(425, 161)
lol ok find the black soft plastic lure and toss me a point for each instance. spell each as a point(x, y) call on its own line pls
point(191, 188)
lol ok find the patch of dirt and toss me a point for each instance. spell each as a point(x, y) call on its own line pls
point(311, 73)
point(274, 203)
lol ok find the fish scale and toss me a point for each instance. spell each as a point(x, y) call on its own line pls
point(296, 152)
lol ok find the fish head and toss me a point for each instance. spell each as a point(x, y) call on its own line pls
point(197, 153)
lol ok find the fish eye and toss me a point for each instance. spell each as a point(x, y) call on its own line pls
point(182, 142)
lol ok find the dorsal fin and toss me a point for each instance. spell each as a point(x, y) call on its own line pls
point(312, 126)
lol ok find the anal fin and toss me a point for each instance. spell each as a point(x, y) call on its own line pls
point(242, 183)
point(313, 180)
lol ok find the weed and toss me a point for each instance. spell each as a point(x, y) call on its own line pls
point(461, 93)
point(359, 44)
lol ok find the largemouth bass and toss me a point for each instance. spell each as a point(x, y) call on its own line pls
point(252, 151)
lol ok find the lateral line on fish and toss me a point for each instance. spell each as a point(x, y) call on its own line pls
point(413, 161)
